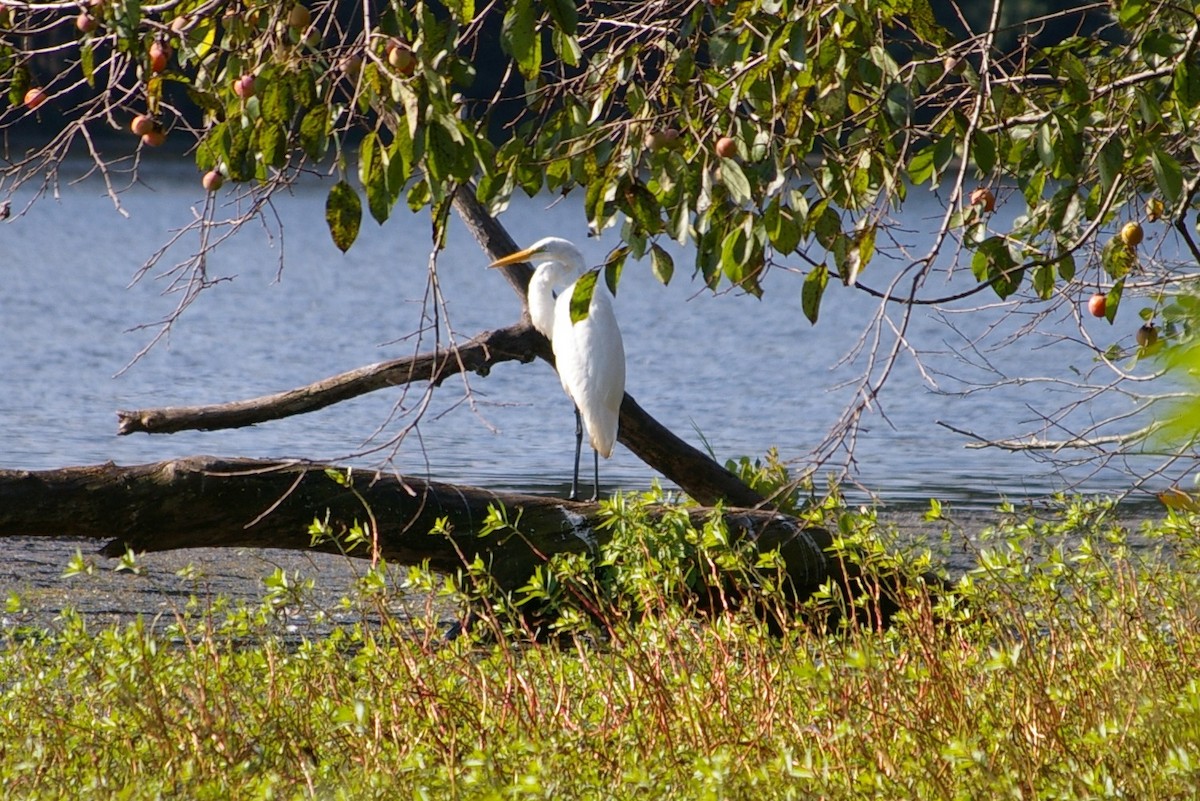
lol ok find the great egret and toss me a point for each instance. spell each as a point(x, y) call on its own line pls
point(589, 354)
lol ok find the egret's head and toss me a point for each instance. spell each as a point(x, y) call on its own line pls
point(552, 251)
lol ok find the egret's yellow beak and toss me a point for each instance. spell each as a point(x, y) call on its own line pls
point(515, 258)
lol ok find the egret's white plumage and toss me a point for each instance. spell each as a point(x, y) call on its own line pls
point(589, 354)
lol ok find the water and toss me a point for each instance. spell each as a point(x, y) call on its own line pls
point(728, 372)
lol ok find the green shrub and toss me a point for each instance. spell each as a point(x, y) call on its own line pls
point(1062, 666)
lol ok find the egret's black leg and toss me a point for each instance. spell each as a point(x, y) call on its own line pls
point(574, 496)
point(596, 476)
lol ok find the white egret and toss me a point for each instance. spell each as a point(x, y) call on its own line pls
point(589, 354)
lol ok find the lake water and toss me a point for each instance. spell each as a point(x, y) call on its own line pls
point(729, 372)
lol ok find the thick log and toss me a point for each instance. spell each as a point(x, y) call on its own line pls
point(212, 502)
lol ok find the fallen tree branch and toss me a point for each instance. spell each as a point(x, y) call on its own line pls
point(518, 342)
point(206, 501)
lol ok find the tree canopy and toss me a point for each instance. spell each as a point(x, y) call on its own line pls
point(767, 135)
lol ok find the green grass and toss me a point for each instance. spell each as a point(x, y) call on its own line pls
point(1065, 666)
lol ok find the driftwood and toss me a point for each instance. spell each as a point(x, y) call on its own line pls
point(212, 502)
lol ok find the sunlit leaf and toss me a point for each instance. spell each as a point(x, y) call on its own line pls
point(1132, 12)
point(463, 11)
point(661, 264)
point(920, 166)
point(1117, 258)
point(581, 297)
point(519, 38)
point(87, 63)
point(1113, 300)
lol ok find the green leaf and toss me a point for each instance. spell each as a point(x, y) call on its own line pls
point(581, 297)
point(1066, 267)
point(924, 22)
point(613, 265)
point(446, 158)
point(400, 159)
point(1186, 83)
point(1111, 162)
point(202, 37)
point(566, 48)
point(564, 14)
point(343, 213)
point(214, 148)
point(305, 88)
point(519, 38)
point(1043, 280)
point(1132, 12)
point(1168, 175)
point(661, 264)
point(984, 152)
point(994, 263)
point(1117, 258)
point(812, 291)
point(1045, 144)
point(782, 229)
point(642, 207)
point(272, 143)
point(403, 93)
point(240, 164)
point(943, 154)
point(827, 225)
point(735, 181)
point(463, 11)
point(898, 104)
point(373, 174)
point(87, 63)
point(313, 137)
point(920, 166)
point(735, 253)
point(596, 202)
point(1113, 300)
point(277, 104)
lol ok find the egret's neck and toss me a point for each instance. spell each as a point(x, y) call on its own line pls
point(545, 282)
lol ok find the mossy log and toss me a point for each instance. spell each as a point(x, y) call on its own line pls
point(207, 502)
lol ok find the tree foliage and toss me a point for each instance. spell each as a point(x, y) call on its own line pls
point(835, 112)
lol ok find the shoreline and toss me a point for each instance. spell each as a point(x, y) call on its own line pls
point(168, 581)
